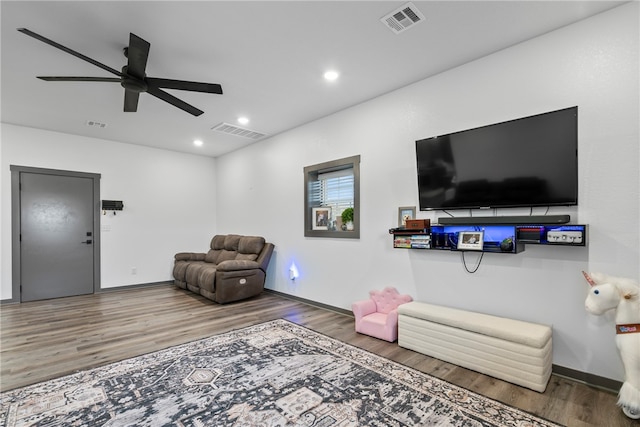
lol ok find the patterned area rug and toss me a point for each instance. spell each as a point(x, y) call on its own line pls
point(272, 374)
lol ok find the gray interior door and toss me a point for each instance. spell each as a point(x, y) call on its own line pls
point(56, 236)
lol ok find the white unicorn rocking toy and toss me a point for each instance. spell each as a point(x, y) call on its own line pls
point(623, 295)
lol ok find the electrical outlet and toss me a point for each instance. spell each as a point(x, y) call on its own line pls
point(134, 270)
point(568, 237)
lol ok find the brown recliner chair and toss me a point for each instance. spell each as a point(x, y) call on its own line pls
point(234, 268)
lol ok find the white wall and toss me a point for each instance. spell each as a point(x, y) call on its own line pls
point(592, 64)
point(169, 200)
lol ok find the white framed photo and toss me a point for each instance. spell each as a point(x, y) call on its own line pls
point(470, 240)
point(320, 218)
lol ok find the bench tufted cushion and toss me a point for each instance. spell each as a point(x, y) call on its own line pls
point(530, 334)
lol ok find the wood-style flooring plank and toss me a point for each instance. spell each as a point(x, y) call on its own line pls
point(47, 339)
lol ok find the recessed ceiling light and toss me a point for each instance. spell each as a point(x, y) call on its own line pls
point(243, 120)
point(198, 143)
point(331, 75)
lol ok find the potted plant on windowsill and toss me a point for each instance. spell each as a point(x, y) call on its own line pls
point(347, 219)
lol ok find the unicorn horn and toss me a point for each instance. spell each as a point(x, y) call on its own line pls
point(588, 278)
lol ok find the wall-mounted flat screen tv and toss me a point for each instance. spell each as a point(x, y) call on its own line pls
point(526, 162)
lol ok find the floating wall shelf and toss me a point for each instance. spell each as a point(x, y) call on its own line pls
point(503, 238)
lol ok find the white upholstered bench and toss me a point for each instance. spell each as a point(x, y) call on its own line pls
point(512, 350)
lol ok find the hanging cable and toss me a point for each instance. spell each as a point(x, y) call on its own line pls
point(464, 263)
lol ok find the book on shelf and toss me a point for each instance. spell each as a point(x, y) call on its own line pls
point(417, 241)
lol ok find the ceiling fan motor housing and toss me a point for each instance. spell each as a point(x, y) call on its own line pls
point(133, 84)
point(130, 82)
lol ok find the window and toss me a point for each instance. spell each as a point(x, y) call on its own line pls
point(330, 189)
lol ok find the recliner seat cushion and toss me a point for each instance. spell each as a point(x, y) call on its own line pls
point(192, 273)
point(226, 255)
point(180, 269)
point(212, 256)
point(246, 257)
point(207, 278)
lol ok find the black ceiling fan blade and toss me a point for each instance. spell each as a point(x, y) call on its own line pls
point(131, 101)
point(184, 85)
point(137, 54)
point(69, 51)
point(174, 101)
point(79, 79)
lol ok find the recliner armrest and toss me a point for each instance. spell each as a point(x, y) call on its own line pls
point(237, 264)
point(189, 256)
point(265, 256)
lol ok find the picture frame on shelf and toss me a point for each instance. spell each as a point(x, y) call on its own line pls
point(405, 213)
point(320, 218)
point(470, 240)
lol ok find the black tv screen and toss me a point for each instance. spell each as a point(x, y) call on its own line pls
point(531, 161)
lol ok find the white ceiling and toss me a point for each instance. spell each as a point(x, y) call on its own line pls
point(269, 57)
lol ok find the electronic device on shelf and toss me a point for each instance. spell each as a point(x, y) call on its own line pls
point(526, 162)
point(570, 234)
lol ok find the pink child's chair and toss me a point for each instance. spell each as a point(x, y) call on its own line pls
point(378, 316)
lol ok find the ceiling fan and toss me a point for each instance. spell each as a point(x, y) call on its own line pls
point(132, 77)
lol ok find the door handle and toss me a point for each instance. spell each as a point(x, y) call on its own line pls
point(88, 242)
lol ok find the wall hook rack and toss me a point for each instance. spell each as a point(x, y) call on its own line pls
point(112, 205)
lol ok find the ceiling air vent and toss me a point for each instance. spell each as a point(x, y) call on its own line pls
point(238, 131)
point(94, 124)
point(403, 18)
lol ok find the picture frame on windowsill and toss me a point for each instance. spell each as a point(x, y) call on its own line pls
point(321, 217)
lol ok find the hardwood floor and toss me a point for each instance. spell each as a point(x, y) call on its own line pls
point(46, 339)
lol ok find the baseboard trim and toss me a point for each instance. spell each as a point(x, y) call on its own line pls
point(104, 290)
point(129, 287)
point(311, 302)
point(9, 301)
point(587, 378)
point(572, 374)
